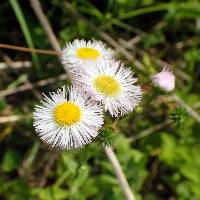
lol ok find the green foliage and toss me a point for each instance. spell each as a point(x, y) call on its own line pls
point(179, 116)
point(20, 17)
point(134, 163)
point(106, 136)
point(185, 159)
point(2, 104)
point(164, 163)
point(51, 193)
point(11, 160)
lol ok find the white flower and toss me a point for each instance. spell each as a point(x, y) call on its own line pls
point(111, 84)
point(67, 119)
point(164, 80)
point(78, 52)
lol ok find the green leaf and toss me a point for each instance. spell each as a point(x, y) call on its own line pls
point(11, 160)
point(168, 149)
point(51, 193)
point(83, 173)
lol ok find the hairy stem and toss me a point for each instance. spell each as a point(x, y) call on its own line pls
point(119, 173)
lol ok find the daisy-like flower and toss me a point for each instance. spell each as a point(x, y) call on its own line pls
point(78, 52)
point(67, 119)
point(111, 84)
point(164, 80)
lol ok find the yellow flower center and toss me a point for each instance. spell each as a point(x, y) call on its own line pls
point(87, 53)
point(107, 85)
point(67, 114)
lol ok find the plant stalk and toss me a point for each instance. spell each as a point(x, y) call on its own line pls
point(119, 173)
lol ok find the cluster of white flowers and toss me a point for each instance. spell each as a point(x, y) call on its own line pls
point(71, 118)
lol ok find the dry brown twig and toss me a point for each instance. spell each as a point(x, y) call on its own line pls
point(106, 37)
point(45, 25)
point(11, 118)
point(29, 86)
point(25, 49)
point(16, 65)
point(149, 131)
point(10, 62)
point(48, 30)
point(161, 63)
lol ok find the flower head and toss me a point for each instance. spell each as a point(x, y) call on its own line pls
point(80, 51)
point(67, 119)
point(164, 80)
point(111, 84)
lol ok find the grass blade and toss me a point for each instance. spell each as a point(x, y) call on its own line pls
point(21, 19)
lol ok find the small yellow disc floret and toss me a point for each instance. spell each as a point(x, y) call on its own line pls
point(67, 114)
point(107, 85)
point(87, 53)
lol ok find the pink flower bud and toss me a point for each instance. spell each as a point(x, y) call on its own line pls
point(164, 80)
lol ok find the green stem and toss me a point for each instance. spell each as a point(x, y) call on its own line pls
point(157, 8)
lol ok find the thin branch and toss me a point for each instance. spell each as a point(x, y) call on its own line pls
point(30, 86)
point(106, 37)
point(12, 118)
point(161, 63)
point(196, 105)
point(10, 62)
point(45, 24)
point(15, 65)
point(40, 51)
point(48, 30)
point(47, 168)
point(189, 109)
point(149, 131)
point(119, 173)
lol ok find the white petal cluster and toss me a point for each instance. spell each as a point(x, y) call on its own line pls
point(73, 136)
point(74, 61)
point(129, 94)
point(70, 119)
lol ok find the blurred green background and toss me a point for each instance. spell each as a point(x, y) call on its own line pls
point(158, 145)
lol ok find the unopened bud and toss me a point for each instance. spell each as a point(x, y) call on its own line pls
point(165, 80)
